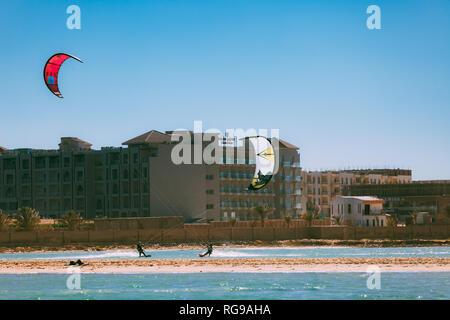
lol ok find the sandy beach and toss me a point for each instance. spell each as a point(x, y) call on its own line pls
point(268, 265)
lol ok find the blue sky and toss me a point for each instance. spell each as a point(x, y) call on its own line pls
point(346, 95)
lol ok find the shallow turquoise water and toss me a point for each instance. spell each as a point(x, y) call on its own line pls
point(302, 252)
point(227, 286)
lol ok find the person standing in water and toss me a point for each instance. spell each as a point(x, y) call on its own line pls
point(141, 250)
point(208, 252)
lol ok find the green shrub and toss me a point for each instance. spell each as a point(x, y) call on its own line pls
point(27, 219)
point(72, 220)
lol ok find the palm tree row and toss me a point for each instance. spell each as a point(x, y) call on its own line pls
point(28, 219)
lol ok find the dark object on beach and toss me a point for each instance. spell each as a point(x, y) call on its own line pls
point(208, 252)
point(141, 250)
point(76, 263)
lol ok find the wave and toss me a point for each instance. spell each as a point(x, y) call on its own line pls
point(234, 254)
point(94, 255)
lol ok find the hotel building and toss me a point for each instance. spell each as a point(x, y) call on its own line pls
point(139, 179)
point(319, 188)
point(432, 196)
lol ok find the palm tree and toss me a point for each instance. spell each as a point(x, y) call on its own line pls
point(232, 221)
point(287, 219)
point(72, 220)
point(262, 213)
point(414, 217)
point(3, 221)
point(391, 220)
point(27, 219)
point(309, 216)
point(311, 213)
point(337, 220)
point(312, 208)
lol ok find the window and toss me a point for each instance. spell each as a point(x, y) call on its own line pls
point(209, 206)
point(25, 164)
point(349, 208)
point(210, 191)
point(9, 179)
point(209, 177)
point(39, 163)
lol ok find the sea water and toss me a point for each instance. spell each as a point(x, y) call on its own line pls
point(220, 253)
point(214, 286)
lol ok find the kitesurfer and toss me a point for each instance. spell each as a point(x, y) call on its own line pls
point(75, 263)
point(141, 250)
point(208, 252)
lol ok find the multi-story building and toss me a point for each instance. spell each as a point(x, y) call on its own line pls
point(140, 179)
point(319, 188)
point(106, 182)
point(282, 195)
point(431, 196)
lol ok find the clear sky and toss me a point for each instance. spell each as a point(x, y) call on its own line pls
point(346, 95)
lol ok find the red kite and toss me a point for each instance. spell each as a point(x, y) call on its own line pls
point(51, 71)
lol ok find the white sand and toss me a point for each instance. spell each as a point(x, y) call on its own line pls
point(264, 265)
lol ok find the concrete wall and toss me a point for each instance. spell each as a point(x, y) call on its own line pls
point(150, 235)
point(139, 223)
point(284, 233)
point(76, 236)
point(174, 235)
point(191, 234)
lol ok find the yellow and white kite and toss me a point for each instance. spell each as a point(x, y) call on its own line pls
point(266, 160)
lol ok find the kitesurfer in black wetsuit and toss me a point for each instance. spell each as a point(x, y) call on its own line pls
point(76, 263)
point(208, 252)
point(141, 250)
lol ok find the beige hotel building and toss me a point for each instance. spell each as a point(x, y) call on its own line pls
point(319, 188)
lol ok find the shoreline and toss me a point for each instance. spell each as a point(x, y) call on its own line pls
point(246, 265)
point(364, 243)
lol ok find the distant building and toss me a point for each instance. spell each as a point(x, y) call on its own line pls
point(359, 211)
point(321, 187)
point(140, 180)
point(404, 199)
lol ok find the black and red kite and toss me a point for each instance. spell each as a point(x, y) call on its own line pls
point(51, 71)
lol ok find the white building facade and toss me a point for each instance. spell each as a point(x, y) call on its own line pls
point(359, 211)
